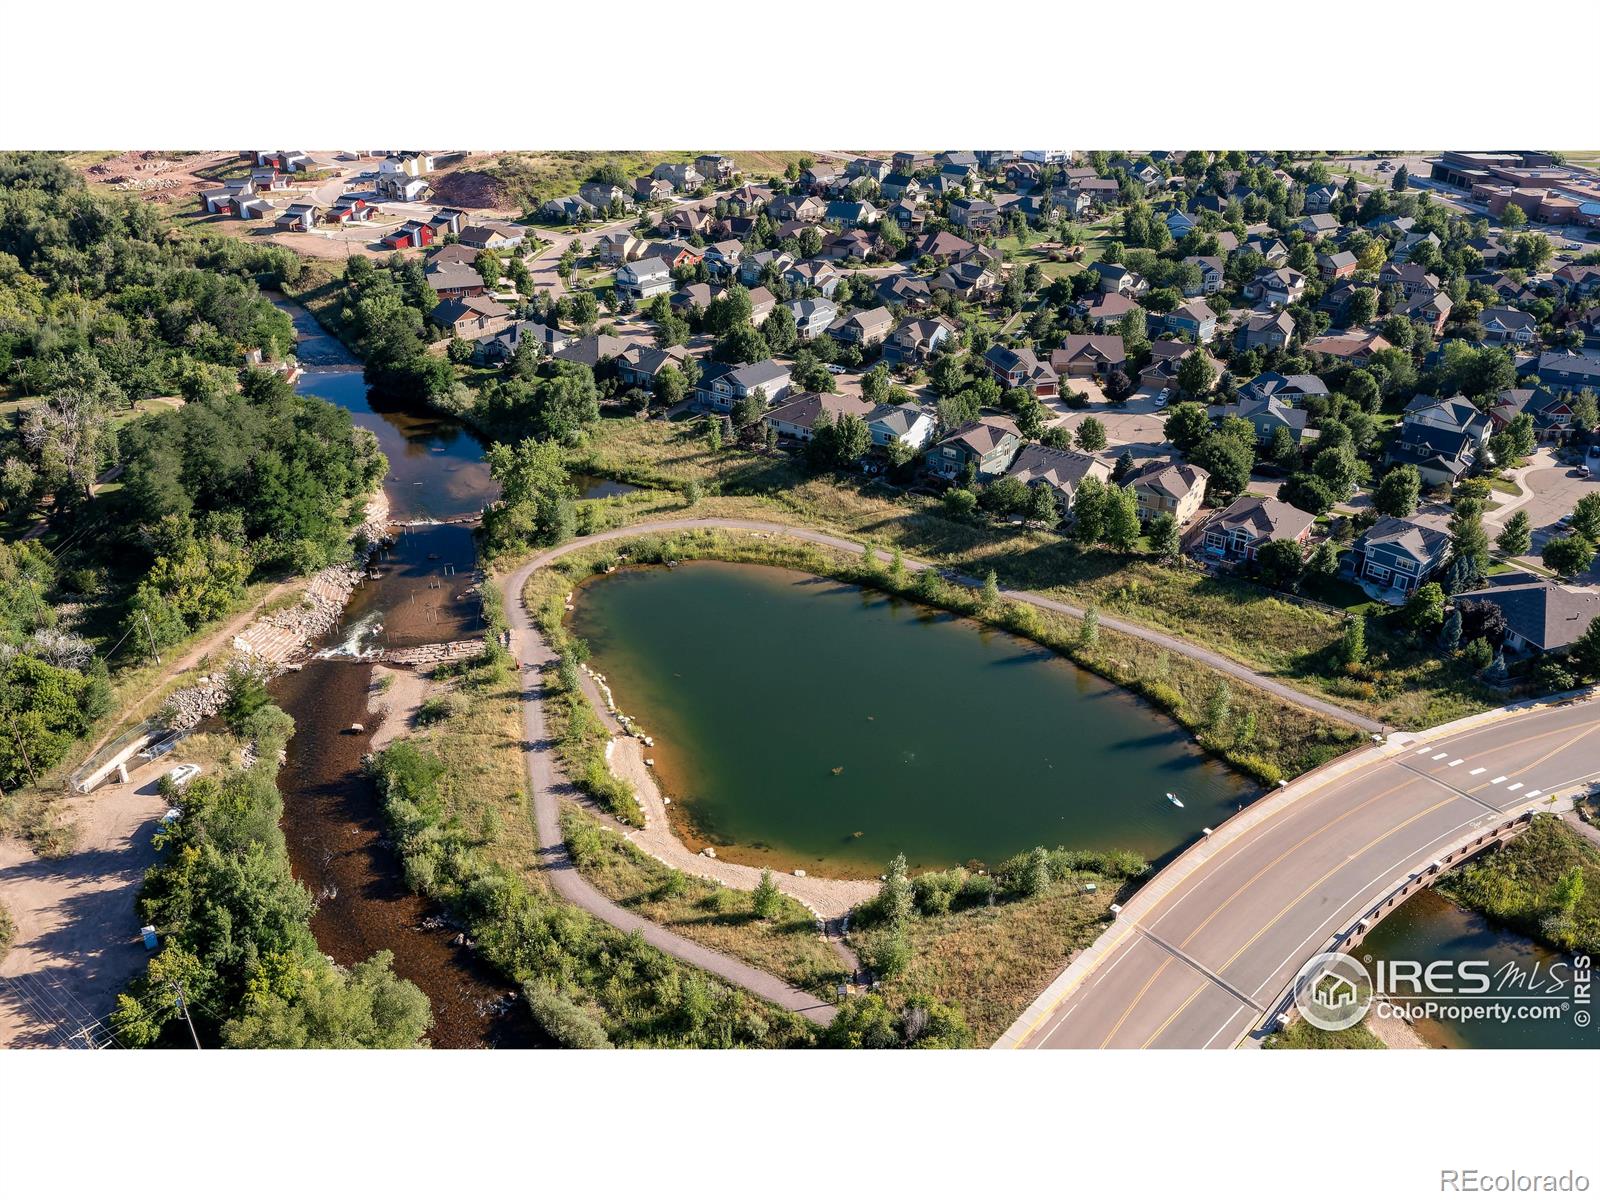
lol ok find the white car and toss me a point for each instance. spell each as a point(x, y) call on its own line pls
point(182, 775)
point(835, 369)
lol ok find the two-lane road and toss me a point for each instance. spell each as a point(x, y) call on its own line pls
point(1205, 963)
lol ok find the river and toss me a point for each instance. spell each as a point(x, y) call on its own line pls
point(1430, 928)
point(802, 722)
point(332, 821)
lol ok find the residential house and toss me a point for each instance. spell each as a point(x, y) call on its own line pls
point(298, 218)
point(1317, 225)
point(1116, 278)
point(942, 247)
point(1062, 471)
point(1278, 286)
point(1408, 244)
point(1021, 368)
point(619, 247)
point(693, 298)
point(411, 233)
point(596, 350)
point(907, 291)
point(502, 346)
point(1355, 349)
point(1290, 389)
point(1175, 488)
point(1399, 555)
point(404, 188)
point(567, 209)
point(1443, 439)
point(854, 243)
point(1340, 264)
point(641, 366)
point(647, 189)
point(753, 267)
point(1411, 279)
point(1180, 224)
point(1541, 617)
point(804, 208)
point(640, 280)
point(1569, 371)
point(682, 176)
point(225, 200)
point(812, 316)
point(1270, 248)
point(1108, 311)
point(604, 195)
point(970, 280)
point(796, 418)
point(674, 254)
point(1211, 275)
point(988, 443)
point(470, 317)
point(349, 210)
point(869, 327)
point(1237, 532)
point(1265, 331)
point(1166, 356)
point(916, 339)
point(497, 235)
point(973, 214)
point(452, 280)
point(901, 187)
point(1551, 412)
point(1320, 198)
point(1502, 325)
point(1578, 280)
point(1192, 318)
point(1089, 355)
point(717, 168)
point(1431, 310)
point(852, 213)
point(1268, 415)
point(813, 274)
point(771, 376)
point(891, 423)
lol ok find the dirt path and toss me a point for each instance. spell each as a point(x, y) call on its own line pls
point(77, 940)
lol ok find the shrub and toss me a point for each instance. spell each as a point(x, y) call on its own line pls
point(435, 709)
point(937, 890)
point(563, 1020)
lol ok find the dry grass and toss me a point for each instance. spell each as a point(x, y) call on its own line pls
point(993, 962)
point(702, 910)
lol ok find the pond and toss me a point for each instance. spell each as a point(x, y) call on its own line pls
point(436, 465)
point(801, 722)
point(1430, 927)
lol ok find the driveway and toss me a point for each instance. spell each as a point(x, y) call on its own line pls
point(1135, 427)
point(77, 942)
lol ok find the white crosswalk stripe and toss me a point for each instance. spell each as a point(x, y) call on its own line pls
point(1478, 770)
point(1514, 787)
point(1455, 762)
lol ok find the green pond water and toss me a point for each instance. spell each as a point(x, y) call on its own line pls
point(807, 723)
point(1430, 927)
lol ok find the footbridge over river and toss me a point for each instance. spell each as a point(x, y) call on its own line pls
point(1205, 954)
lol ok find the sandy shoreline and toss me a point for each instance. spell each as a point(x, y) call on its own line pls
point(396, 704)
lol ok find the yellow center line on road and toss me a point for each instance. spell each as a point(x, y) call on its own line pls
point(1278, 916)
point(1166, 960)
point(1572, 741)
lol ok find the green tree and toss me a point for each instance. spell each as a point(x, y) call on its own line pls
point(1586, 652)
point(766, 900)
point(535, 507)
point(1517, 537)
point(991, 589)
point(1089, 628)
point(1121, 519)
point(1045, 510)
point(1570, 555)
point(1164, 540)
point(1468, 541)
point(1186, 426)
point(1425, 609)
point(1585, 411)
point(1091, 435)
point(1353, 643)
point(1397, 493)
point(1281, 563)
point(1195, 373)
point(1089, 511)
point(1586, 517)
point(1228, 463)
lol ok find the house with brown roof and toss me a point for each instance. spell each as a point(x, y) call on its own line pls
point(1166, 356)
point(1021, 368)
point(1086, 355)
point(1175, 488)
point(470, 317)
point(941, 246)
point(1109, 309)
point(1062, 471)
point(988, 443)
point(1355, 348)
point(1237, 532)
point(916, 339)
point(1265, 331)
point(865, 328)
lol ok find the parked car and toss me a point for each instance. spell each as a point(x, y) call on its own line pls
point(182, 775)
point(1564, 521)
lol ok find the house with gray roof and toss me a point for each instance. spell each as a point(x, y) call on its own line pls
point(812, 315)
point(988, 443)
point(1062, 471)
point(1237, 532)
point(1399, 556)
point(1542, 617)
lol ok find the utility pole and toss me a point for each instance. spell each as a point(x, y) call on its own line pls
point(183, 1007)
point(22, 746)
point(150, 637)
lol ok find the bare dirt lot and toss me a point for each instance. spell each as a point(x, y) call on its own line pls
point(158, 175)
point(77, 942)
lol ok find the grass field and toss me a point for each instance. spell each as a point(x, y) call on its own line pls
point(787, 945)
point(1303, 1035)
point(1402, 684)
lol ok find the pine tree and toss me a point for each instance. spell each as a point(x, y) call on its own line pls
point(1450, 635)
point(1089, 632)
point(766, 898)
point(991, 589)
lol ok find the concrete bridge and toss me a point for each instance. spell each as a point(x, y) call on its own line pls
point(1205, 954)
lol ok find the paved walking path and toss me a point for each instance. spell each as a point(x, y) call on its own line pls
point(547, 784)
point(1176, 645)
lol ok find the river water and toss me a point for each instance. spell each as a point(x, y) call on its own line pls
point(1431, 928)
point(802, 722)
point(332, 821)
